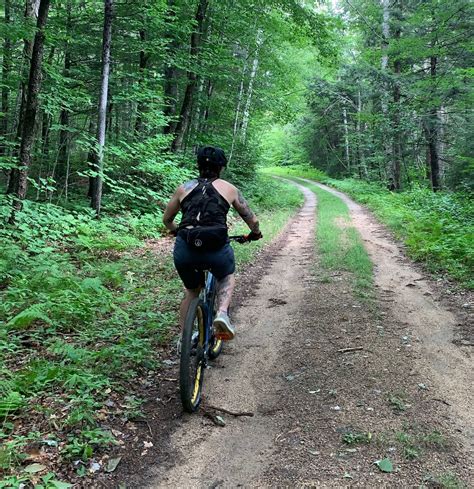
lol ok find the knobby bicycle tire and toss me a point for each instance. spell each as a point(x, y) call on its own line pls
point(191, 369)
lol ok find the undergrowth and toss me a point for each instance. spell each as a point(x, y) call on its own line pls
point(85, 307)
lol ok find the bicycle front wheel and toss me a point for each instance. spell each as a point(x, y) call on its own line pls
point(192, 364)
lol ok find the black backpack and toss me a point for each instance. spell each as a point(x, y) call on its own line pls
point(203, 226)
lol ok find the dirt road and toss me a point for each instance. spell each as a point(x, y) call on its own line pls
point(335, 384)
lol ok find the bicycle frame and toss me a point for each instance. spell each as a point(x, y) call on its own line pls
point(209, 297)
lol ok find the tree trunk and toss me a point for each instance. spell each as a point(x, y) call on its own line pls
point(432, 132)
point(397, 133)
point(385, 33)
point(253, 75)
point(31, 11)
point(346, 140)
point(91, 156)
point(362, 166)
point(64, 134)
point(385, 85)
point(185, 114)
point(31, 108)
point(171, 77)
point(238, 108)
point(142, 66)
point(96, 198)
point(198, 110)
point(6, 68)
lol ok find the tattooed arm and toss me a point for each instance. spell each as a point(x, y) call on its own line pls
point(242, 207)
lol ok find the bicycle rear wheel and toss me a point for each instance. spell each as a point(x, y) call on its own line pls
point(192, 364)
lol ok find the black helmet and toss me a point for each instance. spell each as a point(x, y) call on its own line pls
point(209, 155)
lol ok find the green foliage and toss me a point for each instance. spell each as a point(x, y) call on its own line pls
point(355, 438)
point(437, 227)
point(86, 315)
point(83, 445)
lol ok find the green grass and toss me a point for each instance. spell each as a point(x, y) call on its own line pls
point(446, 480)
point(84, 306)
point(437, 228)
point(303, 171)
point(338, 243)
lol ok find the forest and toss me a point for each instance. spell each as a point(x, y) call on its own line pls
point(103, 106)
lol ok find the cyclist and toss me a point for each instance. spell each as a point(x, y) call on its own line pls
point(202, 242)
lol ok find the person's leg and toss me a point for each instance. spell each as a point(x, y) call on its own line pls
point(190, 273)
point(189, 295)
point(225, 288)
point(223, 268)
point(222, 326)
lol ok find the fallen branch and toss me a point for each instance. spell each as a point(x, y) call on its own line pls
point(217, 420)
point(441, 400)
point(232, 413)
point(349, 350)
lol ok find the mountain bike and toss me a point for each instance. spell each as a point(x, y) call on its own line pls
point(198, 342)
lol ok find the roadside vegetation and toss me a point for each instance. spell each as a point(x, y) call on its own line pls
point(87, 306)
point(339, 244)
point(437, 228)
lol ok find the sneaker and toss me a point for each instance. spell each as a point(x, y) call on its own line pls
point(223, 328)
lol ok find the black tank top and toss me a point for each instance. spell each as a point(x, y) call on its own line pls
point(204, 206)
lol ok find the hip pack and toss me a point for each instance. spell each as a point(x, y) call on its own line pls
point(204, 238)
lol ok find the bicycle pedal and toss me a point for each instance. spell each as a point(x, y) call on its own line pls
point(223, 336)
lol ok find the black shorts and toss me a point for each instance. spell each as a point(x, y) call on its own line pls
point(191, 263)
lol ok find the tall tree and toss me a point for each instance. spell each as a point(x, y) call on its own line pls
point(171, 71)
point(6, 69)
point(31, 12)
point(96, 197)
point(192, 76)
point(31, 107)
point(397, 152)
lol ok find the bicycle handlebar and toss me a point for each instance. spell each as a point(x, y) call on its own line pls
point(243, 238)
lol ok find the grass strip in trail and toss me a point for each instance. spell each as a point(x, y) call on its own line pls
point(85, 311)
point(338, 243)
point(437, 227)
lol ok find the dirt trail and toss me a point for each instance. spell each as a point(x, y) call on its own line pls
point(427, 323)
point(248, 375)
point(317, 366)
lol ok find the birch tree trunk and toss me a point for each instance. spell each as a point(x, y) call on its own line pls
point(253, 75)
point(31, 108)
point(346, 140)
point(362, 166)
point(238, 108)
point(96, 198)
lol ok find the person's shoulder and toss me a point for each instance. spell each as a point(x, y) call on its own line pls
point(227, 184)
point(187, 186)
